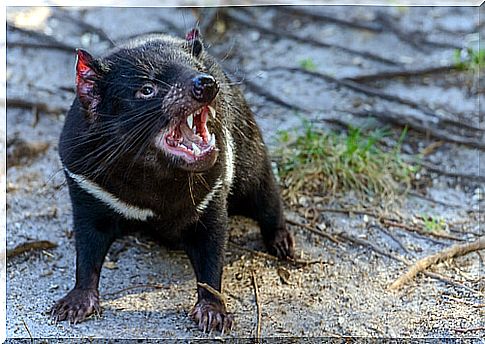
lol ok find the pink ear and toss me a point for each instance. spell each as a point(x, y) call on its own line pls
point(192, 34)
point(86, 76)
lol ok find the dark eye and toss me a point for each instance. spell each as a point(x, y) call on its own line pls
point(147, 91)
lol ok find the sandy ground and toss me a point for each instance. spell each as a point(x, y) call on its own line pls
point(147, 290)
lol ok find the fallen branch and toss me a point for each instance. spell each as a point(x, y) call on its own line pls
point(34, 105)
point(452, 252)
point(366, 243)
point(436, 169)
point(271, 97)
point(284, 34)
point(258, 307)
point(313, 230)
point(65, 16)
point(421, 125)
point(401, 73)
point(31, 246)
point(414, 39)
point(432, 200)
point(449, 281)
point(394, 223)
point(294, 261)
point(376, 249)
point(370, 91)
point(373, 27)
point(471, 329)
point(465, 302)
point(49, 46)
point(48, 40)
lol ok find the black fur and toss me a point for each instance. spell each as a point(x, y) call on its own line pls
point(108, 140)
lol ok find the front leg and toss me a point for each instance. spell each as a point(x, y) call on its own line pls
point(94, 232)
point(204, 244)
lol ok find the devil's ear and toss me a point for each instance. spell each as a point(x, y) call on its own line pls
point(88, 73)
point(195, 44)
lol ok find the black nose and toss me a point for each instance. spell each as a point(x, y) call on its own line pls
point(204, 88)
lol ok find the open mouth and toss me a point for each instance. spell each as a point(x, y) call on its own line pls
point(190, 138)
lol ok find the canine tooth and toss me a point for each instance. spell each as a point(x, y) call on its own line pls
point(190, 121)
point(195, 149)
point(212, 140)
point(212, 111)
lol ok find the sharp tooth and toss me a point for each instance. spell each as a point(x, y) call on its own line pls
point(213, 111)
point(190, 121)
point(195, 148)
point(212, 140)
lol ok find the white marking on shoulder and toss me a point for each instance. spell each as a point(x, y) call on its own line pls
point(127, 210)
point(230, 155)
point(210, 196)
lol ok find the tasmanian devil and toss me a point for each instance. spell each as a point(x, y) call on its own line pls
point(158, 138)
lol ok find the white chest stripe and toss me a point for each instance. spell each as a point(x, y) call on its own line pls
point(230, 158)
point(205, 202)
point(229, 173)
point(128, 211)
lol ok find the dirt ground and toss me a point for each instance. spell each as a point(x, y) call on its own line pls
point(147, 290)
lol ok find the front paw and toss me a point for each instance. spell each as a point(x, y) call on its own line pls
point(211, 315)
point(76, 306)
point(282, 245)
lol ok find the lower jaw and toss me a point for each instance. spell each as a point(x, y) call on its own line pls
point(189, 163)
point(197, 164)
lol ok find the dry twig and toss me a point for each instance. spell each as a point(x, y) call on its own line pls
point(27, 328)
point(294, 261)
point(394, 238)
point(313, 230)
point(214, 292)
point(258, 306)
point(451, 252)
point(30, 246)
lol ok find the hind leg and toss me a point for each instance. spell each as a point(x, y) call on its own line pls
point(268, 212)
point(263, 204)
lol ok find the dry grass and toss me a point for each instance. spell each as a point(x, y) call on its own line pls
point(322, 163)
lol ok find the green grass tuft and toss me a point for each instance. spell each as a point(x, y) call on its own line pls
point(433, 224)
point(308, 64)
point(316, 162)
point(470, 59)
